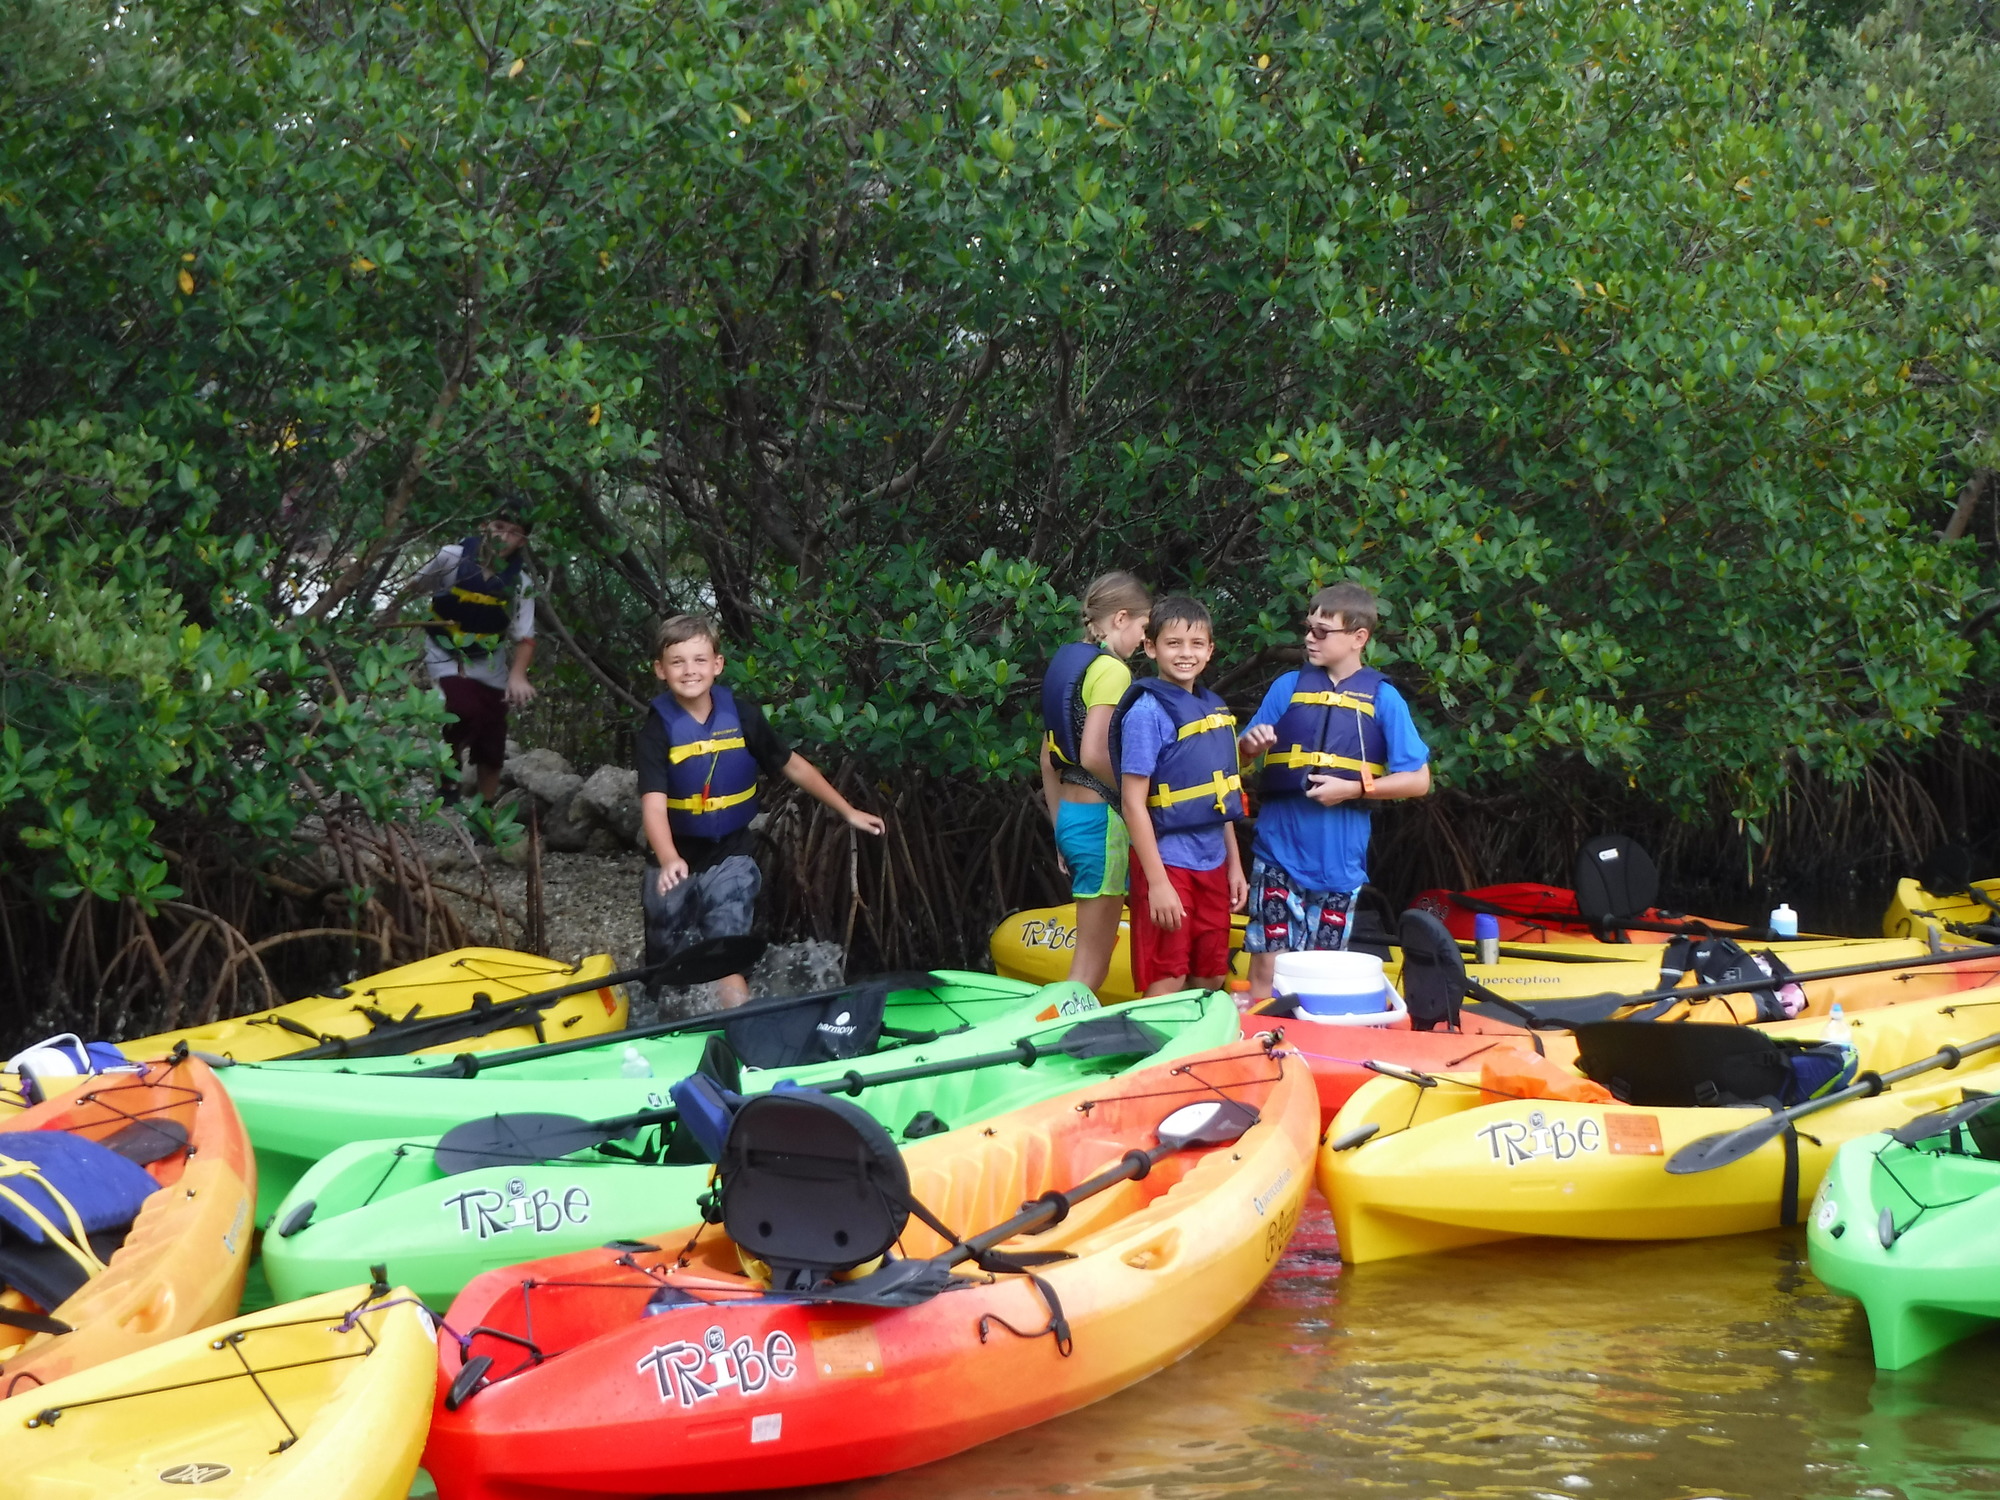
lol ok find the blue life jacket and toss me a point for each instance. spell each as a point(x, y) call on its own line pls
point(1196, 782)
point(473, 613)
point(1063, 714)
point(711, 774)
point(1327, 730)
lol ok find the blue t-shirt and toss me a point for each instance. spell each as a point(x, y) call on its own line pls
point(1326, 848)
point(1147, 731)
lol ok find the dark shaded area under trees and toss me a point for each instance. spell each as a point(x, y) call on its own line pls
point(1640, 357)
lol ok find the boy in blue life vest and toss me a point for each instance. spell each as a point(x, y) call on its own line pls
point(702, 751)
point(1336, 738)
point(481, 601)
point(1175, 744)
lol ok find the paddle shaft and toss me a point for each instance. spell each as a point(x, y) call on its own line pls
point(472, 1064)
point(1051, 1207)
point(1742, 986)
point(503, 1011)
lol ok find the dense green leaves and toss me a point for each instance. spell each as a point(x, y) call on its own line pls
point(1634, 367)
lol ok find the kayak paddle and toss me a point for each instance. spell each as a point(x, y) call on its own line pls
point(520, 1140)
point(1719, 1150)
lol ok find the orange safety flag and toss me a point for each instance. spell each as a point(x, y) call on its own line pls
point(1515, 1073)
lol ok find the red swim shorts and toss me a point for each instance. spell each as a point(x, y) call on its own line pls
point(1199, 947)
point(479, 723)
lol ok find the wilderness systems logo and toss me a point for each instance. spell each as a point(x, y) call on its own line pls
point(1540, 1138)
point(488, 1211)
point(194, 1473)
point(691, 1373)
point(1045, 934)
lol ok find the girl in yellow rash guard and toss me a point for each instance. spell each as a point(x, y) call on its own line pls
point(1083, 685)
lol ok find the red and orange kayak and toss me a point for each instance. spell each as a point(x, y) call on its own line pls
point(662, 1366)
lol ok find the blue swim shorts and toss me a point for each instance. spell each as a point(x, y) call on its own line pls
point(1093, 842)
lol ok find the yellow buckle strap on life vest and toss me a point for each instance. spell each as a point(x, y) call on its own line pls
point(732, 740)
point(1338, 700)
point(471, 598)
point(1306, 759)
point(76, 1243)
point(1218, 787)
point(1219, 720)
point(702, 804)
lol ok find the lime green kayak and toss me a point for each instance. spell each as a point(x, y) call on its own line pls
point(1907, 1222)
point(298, 1112)
point(413, 1205)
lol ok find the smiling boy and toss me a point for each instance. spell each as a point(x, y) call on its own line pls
point(701, 753)
point(1175, 747)
point(1339, 738)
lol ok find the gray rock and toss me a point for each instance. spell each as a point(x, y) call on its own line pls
point(544, 775)
point(785, 969)
point(610, 800)
point(563, 832)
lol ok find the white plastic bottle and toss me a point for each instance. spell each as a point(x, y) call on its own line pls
point(634, 1064)
point(1837, 1029)
point(1784, 921)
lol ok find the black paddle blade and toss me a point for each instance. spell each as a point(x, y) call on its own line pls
point(709, 960)
point(1111, 1036)
point(1713, 1151)
point(515, 1141)
point(898, 1283)
point(1213, 1122)
point(148, 1141)
point(1943, 1121)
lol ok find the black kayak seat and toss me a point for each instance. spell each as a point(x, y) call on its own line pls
point(811, 1186)
point(846, 1023)
point(1615, 881)
point(1683, 1064)
point(1434, 981)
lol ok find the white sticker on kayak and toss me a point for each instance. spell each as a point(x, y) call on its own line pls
point(488, 1211)
point(1540, 1138)
point(767, 1427)
point(1051, 935)
point(690, 1373)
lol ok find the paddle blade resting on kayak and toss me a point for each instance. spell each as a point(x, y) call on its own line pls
point(667, 1366)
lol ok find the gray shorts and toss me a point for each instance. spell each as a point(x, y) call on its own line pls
point(719, 902)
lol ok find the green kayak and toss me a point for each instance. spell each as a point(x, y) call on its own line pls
point(437, 1217)
point(1908, 1223)
point(297, 1112)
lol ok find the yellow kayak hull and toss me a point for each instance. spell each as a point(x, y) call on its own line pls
point(1917, 913)
point(1447, 1168)
point(1035, 945)
point(357, 1404)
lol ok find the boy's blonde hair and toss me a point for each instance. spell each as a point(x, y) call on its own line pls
point(1349, 603)
point(680, 629)
point(1109, 594)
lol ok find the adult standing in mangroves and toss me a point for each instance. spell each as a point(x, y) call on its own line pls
point(1080, 691)
point(1336, 737)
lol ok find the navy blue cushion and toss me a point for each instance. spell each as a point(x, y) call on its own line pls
point(105, 1188)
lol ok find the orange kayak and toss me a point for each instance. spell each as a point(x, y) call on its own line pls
point(665, 1366)
point(181, 1265)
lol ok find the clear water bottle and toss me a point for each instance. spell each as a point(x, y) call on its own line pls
point(1784, 921)
point(634, 1065)
point(1837, 1029)
point(1486, 938)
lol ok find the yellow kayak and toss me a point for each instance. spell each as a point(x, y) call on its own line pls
point(1450, 1165)
point(326, 1399)
point(1947, 921)
point(1035, 945)
point(463, 981)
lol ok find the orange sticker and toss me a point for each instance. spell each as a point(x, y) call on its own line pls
point(1633, 1135)
point(610, 1005)
point(845, 1351)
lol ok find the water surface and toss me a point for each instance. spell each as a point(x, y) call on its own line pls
point(1535, 1368)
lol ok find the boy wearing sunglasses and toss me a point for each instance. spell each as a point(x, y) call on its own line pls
point(1336, 738)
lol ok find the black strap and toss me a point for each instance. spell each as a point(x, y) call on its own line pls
point(1788, 1205)
point(1057, 1326)
point(32, 1322)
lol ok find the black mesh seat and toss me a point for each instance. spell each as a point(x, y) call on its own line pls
point(845, 1023)
point(1682, 1064)
point(1615, 883)
point(811, 1186)
point(1434, 981)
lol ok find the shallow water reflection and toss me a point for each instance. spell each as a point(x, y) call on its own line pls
point(1538, 1368)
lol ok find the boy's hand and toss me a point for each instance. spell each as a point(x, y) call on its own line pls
point(867, 822)
point(1166, 906)
point(1256, 740)
point(1331, 791)
point(672, 873)
point(1239, 891)
point(520, 692)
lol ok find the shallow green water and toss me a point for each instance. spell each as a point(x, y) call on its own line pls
point(1708, 1368)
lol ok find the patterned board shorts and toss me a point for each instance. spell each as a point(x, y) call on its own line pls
point(1288, 918)
point(720, 901)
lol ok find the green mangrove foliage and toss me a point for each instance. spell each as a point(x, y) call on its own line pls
point(1636, 368)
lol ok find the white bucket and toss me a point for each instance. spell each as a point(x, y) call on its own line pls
point(1305, 1025)
point(1333, 983)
